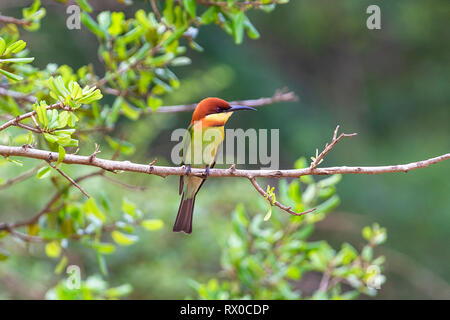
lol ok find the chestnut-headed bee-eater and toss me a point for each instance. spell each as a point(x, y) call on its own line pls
point(199, 149)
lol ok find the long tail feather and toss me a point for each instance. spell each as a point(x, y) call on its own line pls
point(184, 216)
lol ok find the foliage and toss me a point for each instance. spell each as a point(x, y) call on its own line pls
point(141, 55)
point(93, 288)
point(138, 54)
point(269, 261)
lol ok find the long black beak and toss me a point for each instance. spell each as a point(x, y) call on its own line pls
point(236, 108)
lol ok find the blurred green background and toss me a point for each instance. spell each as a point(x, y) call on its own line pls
point(389, 85)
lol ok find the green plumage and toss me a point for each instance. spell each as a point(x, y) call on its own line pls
point(195, 143)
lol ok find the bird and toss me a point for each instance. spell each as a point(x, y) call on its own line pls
point(200, 145)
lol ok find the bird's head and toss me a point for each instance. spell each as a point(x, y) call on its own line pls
point(215, 111)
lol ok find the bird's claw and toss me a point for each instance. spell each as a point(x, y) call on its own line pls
point(188, 170)
point(206, 173)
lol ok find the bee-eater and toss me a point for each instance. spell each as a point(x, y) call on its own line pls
point(200, 144)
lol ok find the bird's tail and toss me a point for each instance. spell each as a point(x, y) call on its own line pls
point(184, 216)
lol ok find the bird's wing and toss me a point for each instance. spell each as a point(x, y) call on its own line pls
point(185, 145)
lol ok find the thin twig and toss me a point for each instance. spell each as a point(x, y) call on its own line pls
point(24, 126)
point(155, 10)
point(27, 115)
point(21, 177)
point(48, 207)
point(276, 203)
point(123, 184)
point(69, 179)
point(242, 4)
point(279, 96)
point(330, 146)
point(17, 95)
point(25, 237)
point(20, 22)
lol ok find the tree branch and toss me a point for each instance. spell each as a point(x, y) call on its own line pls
point(242, 4)
point(17, 95)
point(16, 120)
point(279, 96)
point(20, 22)
point(69, 179)
point(318, 159)
point(164, 171)
point(21, 177)
point(48, 207)
point(276, 203)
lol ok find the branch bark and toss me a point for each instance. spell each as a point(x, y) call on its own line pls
point(276, 203)
point(17, 95)
point(164, 171)
point(279, 96)
point(21, 177)
point(16, 120)
point(20, 22)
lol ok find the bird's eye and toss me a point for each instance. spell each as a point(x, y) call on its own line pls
point(218, 109)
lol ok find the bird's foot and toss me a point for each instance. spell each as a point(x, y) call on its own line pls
point(188, 170)
point(206, 173)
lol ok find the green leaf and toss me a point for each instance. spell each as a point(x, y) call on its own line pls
point(91, 97)
point(125, 147)
point(63, 118)
point(53, 249)
point(119, 291)
point(90, 208)
point(104, 248)
point(64, 132)
point(123, 239)
point(61, 265)
point(57, 88)
point(330, 181)
point(10, 75)
point(238, 27)
point(50, 138)
point(128, 207)
point(211, 15)
point(41, 111)
point(84, 5)
point(15, 47)
point(252, 32)
point(367, 233)
point(3, 255)
point(194, 45)
point(75, 90)
point(61, 154)
point(367, 253)
point(92, 25)
point(190, 6)
point(17, 60)
point(102, 264)
point(268, 214)
point(16, 162)
point(154, 103)
point(168, 12)
point(2, 46)
point(43, 172)
point(116, 23)
point(129, 111)
point(180, 61)
point(328, 205)
point(293, 273)
point(152, 224)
